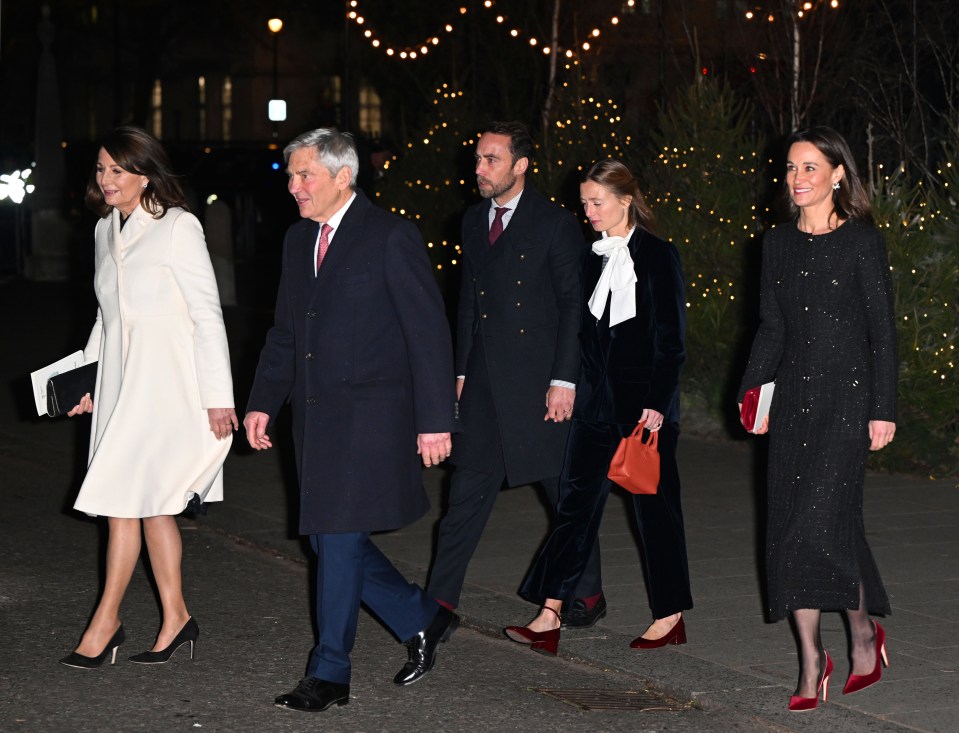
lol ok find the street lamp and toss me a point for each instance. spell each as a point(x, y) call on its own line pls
point(276, 109)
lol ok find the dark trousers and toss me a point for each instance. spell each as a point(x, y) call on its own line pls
point(472, 495)
point(584, 489)
point(351, 570)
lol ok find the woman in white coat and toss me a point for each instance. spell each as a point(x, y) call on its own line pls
point(163, 414)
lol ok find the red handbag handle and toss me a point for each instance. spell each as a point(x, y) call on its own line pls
point(653, 441)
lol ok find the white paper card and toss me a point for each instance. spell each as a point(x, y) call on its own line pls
point(762, 407)
point(39, 378)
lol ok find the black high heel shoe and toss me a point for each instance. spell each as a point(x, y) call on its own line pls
point(79, 661)
point(189, 633)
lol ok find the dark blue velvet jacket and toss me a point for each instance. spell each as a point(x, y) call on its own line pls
point(635, 364)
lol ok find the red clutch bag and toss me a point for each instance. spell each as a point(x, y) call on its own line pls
point(756, 403)
point(635, 465)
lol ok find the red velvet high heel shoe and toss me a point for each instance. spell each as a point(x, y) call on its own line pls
point(857, 682)
point(800, 704)
point(544, 642)
point(676, 635)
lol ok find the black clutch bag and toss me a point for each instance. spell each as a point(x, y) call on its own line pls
point(65, 390)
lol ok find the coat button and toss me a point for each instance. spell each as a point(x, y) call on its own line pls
point(309, 357)
point(519, 282)
point(482, 292)
point(483, 316)
point(522, 257)
point(311, 313)
point(311, 400)
point(522, 331)
point(519, 305)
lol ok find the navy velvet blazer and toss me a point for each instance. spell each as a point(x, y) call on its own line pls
point(635, 364)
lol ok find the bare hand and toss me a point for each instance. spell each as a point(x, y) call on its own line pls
point(559, 403)
point(654, 420)
point(86, 405)
point(222, 421)
point(434, 447)
point(459, 387)
point(880, 434)
point(255, 424)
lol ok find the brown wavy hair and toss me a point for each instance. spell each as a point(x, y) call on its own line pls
point(137, 151)
point(849, 200)
point(615, 177)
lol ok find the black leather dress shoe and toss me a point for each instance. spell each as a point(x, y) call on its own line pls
point(580, 617)
point(313, 695)
point(422, 647)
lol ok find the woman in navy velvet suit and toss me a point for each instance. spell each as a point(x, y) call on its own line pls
point(632, 352)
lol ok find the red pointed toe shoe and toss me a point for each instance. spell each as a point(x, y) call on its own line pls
point(799, 704)
point(544, 642)
point(857, 682)
point(676, 635)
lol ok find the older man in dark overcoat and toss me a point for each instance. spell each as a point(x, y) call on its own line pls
point(361, 349)
point(517, 357)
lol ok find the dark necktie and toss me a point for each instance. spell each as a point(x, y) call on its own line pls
point(496, 228)
point(324, 245)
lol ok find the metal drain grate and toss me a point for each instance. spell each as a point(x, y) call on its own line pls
point(614, 699)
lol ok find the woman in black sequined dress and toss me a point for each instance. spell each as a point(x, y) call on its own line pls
point(828, 340)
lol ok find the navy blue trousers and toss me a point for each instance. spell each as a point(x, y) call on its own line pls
point(351, 570)
point(583, 491)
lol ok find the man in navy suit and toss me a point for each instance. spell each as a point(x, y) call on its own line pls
point(361, 348)
point(517, 358)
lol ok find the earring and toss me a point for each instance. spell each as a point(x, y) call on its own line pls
point(835, 186)
point(148, 183)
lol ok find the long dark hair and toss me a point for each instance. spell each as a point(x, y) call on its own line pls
point(137, 151)
point(849, 200)
point(617, 178)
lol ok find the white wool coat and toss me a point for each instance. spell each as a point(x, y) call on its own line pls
point(163, 360)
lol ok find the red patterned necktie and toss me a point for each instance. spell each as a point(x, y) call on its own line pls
point(496, 228)
point(325, 231)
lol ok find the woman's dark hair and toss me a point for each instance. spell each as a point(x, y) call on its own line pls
point(137, 151)
point(849, 200)
point(616, 177)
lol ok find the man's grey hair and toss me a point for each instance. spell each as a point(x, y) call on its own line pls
point(334, 150)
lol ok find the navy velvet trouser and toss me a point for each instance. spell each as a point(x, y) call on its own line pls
point(583, 491)
point(472, 496)
point(350, 569)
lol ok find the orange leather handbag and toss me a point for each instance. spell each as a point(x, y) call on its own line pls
point(635, 465)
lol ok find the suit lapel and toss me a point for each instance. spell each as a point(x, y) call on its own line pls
point(481, 252)
point(347, 235)
point(302, 256)
point(477, 244)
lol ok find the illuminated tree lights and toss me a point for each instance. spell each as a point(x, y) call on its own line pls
point(705, 180)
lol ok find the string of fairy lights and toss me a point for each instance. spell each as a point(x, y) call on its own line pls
point(602, 118)
point(421, 49)
point(803, 8)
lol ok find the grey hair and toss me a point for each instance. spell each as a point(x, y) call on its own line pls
point(334, 150)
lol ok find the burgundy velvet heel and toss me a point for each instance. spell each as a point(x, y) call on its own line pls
point(544, 642)
point(676, 635)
